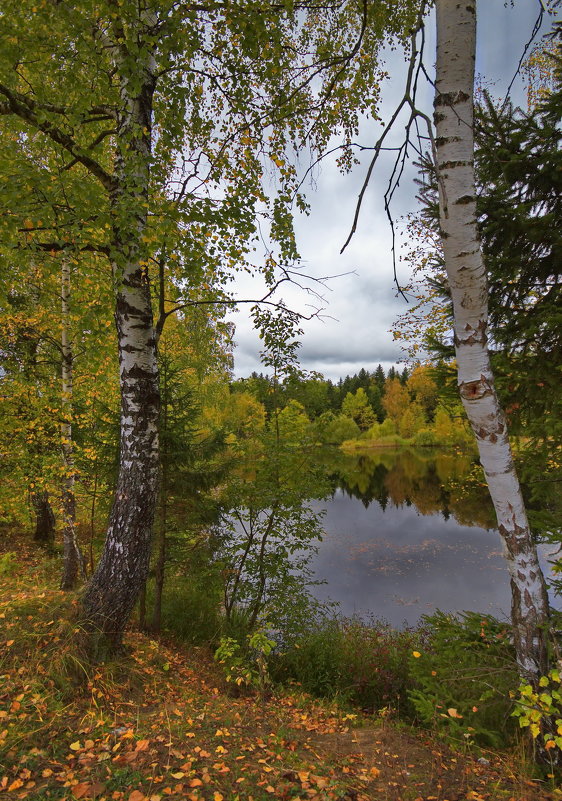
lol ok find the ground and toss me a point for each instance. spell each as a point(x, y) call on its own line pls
point(161, 723)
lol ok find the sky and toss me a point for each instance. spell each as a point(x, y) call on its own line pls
point(362, 304)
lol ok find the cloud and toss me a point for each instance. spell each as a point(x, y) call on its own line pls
point(362, 305)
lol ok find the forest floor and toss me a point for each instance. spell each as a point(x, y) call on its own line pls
point(161, 723)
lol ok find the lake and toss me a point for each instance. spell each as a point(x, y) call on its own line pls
point(408, 532)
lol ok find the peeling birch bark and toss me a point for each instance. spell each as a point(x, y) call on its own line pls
point(123, 567)
point(73, 561)
point(456, 43)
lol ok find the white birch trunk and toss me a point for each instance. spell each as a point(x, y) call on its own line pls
point(456, 42)
point(73, 561)
point(123, 567)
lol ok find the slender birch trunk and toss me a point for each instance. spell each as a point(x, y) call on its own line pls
point(123, 567)
point(456, 42)
point(73, 561)
point(44, 518)
point(162, 537)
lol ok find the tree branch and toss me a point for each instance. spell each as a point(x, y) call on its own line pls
point(29, 111)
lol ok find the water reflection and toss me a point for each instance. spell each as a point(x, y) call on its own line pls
point(446, 482)
point(407, 533)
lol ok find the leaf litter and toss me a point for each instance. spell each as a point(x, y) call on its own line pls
point(160, 723)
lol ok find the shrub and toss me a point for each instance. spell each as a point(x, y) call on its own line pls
point(540, 710)
point(373, 432)
point(464, 673)
point(425, 438)
point(246, 664)
point(8, 563)
point(191, 607)
point(387, 428)
point(357, 662)
point(340, 429)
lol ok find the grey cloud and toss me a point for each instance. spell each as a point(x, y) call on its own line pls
point(365, 305)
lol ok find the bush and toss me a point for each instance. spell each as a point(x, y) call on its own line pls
point(8, 563)
point(373, 432)
point(357, 662)
point(464, 673)
point(191, 607)
point(335, 429)
point(540, 710)
point(425, 438)
point(246, 665)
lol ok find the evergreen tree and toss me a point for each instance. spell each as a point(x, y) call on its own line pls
point(379, 377)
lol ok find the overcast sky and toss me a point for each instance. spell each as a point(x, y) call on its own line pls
point(363, 304)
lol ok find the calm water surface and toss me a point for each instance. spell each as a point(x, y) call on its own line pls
point(407, 533)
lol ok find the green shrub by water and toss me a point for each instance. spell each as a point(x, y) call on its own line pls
point(425, 438)
point(357, 662)
point(463, 674)
point(191, 608)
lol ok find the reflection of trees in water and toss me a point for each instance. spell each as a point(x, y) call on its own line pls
point(363, 478)
point(452, 466)
point(432, 482)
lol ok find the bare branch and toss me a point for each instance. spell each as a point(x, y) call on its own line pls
point(534, 32)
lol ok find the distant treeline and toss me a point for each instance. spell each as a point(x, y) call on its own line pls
point(317, 394)
point(406, 405)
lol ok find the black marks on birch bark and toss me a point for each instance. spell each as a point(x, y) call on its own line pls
point(441, 141)
point(450, 99)
point(450, 165)
point(477, 337)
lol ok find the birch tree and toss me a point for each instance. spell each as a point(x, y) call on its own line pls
point(172, 116)
point(466, 273)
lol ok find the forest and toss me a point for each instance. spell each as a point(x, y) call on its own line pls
point(163, 630)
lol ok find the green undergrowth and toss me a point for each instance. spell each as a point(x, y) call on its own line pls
point(363, 664)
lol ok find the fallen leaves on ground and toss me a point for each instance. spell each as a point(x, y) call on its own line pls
point(160, 724)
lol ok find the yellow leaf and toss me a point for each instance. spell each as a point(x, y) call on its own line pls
point(179, 775)
point(75, 746)
point(15, 785)
point(416, 654)
point(218, 796)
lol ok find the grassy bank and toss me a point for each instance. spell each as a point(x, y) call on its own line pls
point(161, 721)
